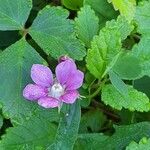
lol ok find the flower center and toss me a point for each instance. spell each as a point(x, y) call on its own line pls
point(56, 90)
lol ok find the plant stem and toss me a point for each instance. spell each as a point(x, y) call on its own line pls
point(98, 90)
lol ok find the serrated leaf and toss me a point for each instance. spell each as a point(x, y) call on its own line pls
point(122, 25)
point(13, 14)
point(142, 52)
point(54, 33)
point(86, 28)
point(128, 67)
point(124, 134)
point(118, 141)
point(15, 66)
point(118, 83)
point(104, 48)
point(72, 4)
point(68, 129)
point(143, 17)
point(144, 144)
point(126, 7)
point(35, 133)
point(89, 141)
point(103, 10)
point(136, 101)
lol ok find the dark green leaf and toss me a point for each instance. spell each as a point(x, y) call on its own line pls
point(34, 134)
point(54, 33)
point(67, 132)
point(15, 65)
point(14, 13)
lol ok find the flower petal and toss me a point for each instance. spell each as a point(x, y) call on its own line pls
point(48, 102)
point(70, 96)
point(75, 80)
point(34, 92)
point(41, 75)
point(64, 69)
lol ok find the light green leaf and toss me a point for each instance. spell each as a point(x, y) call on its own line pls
point(103, 10)
point(72, 4)
point(68, 129)
point(104, 48)
point(122, 25)
point(144, 144)
point(142, 52)
point(15, 65)
point(126, 7)
point(128, 66)
point(34, 134)
point(143, 17)
point(54, 33)
point(89, 141)
point(136, 101)
point(86, 28)
point(118, 84)
point(14, 13)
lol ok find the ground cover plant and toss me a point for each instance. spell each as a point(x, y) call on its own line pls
point(74, 74)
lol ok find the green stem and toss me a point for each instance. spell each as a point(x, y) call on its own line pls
point(98, 90)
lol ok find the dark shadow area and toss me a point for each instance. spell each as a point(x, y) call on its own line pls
point(143, 85)
point(37, 6)
point(8, 38)
point(6, 124)
point(36, 47)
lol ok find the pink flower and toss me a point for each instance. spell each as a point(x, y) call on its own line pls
point(51, 92)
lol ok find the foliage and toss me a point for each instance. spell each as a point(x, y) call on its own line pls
point(109, 40)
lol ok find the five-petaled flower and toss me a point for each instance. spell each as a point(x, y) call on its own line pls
point(49, 92)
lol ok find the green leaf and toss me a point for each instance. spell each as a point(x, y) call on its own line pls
point(13, 14)
point(54, 33)
point(143, 85)
point(86, 28)
point(94, 119)
point(118, 83)
point(124, 134)
point(89, 141)
point(144, 144)
point(142, 17)
point(136, 101)
point(142, 52)
point(122, 25)
point(15, 65)
point(35, 133)
point(128, 66)
point(68, 129)
point(104, 48)
point(126, 7)
point(103, 10)
point(72, 4)
point(118, 141)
